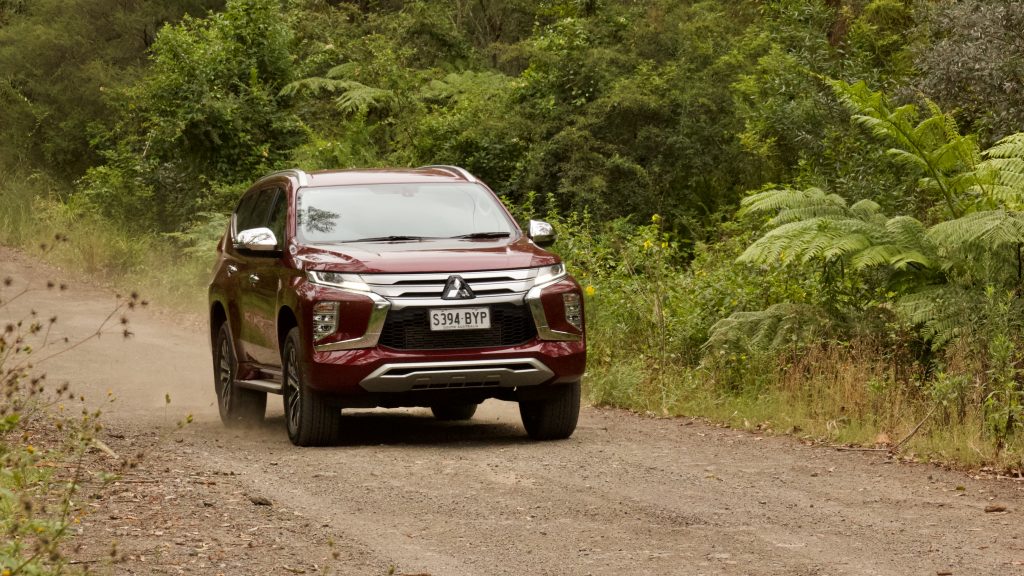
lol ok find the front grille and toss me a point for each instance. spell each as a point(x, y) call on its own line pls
point(409, 329)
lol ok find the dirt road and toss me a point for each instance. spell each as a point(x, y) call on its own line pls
point(405, 494)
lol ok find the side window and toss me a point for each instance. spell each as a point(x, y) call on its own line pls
point(279, 217)
point(254, 209)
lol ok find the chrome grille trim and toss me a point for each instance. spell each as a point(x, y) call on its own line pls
point(491, 287)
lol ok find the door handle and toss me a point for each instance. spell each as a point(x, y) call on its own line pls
point(254, 278)
point(232, 269)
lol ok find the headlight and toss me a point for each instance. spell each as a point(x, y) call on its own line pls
point(547, 274)
point(338, 280)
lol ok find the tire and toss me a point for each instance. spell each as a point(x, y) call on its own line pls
point(453, 412)
point(237, 406)
point(555, 417)
point(310, 419)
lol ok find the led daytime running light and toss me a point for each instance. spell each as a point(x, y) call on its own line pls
point(547, 274)
point(338, 280)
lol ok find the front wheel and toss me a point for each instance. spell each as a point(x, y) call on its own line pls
point(554, 417)
point(237, 406)
point(311, 420)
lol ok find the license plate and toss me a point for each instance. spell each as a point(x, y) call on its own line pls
point(460, 318)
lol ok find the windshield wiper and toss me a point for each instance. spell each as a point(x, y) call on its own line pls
point(388, 239)
point(475, 235)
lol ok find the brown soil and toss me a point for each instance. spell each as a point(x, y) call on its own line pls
point(406, 494)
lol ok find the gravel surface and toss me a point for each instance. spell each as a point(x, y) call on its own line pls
point(405, 494)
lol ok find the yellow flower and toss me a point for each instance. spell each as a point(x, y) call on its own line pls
point(590, 290)
point(664, 245)
point(648, 244)
point(31, 449)
point(655, 219)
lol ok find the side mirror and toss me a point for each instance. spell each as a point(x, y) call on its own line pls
point(542, 233)
point(256, 239)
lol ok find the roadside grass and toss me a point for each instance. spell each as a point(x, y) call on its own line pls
point(842, 399)
point(34, 211)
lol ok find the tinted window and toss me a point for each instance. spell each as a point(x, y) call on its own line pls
point(253, 210)
point(352, 213)
point(279, 217)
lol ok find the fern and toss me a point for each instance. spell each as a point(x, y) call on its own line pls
point(811, 225)
point(1003, 169)
point(940, 312)
point(947, 163)
point(312, 86)
point(769, 330)
point(992, 229)
point(353, 97)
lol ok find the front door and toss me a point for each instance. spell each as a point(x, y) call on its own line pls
point(257, 280)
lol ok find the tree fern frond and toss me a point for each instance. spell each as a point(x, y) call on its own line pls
point(1010, 147)
point(311, 86)
point(359, 98)
point(787, 238)
point(771, 201)
point(823, 210)
point(905, 230)
point(907, 258)
point(844, 245)
point(931, 132)
point(346, 70)
point(988, 229)
point(1004, 174)
point(807, 240)
point(939, 311)
point(868, 210)
point(768, 330)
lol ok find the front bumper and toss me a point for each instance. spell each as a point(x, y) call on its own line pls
point(363, 357)
point(385, 370)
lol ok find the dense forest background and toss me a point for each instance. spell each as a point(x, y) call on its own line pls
point(800, 215)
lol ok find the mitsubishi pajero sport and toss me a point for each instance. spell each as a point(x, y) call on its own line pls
point(391, 288)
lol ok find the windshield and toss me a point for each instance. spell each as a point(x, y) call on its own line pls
point(381, 212)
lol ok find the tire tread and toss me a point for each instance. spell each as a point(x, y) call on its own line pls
point(553, 418)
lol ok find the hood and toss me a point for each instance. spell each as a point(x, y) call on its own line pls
point(447, 255)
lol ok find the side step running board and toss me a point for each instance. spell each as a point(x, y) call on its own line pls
point(272, 386)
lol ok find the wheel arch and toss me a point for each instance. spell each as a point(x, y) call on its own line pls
point(218, 316)
point(286, 320)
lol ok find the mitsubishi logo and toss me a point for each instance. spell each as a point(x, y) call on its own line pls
point(457, 289)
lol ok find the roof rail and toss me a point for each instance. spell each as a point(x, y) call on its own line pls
point(300, 175)
point(459, 171)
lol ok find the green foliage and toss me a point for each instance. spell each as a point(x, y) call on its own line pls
point(58, 61)
point(206, 112)
point(966, 53)
point(810, 226)
point(772, 330)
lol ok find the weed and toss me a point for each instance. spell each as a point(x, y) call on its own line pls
point(45, 433)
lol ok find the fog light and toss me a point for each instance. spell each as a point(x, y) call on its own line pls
point(325, 319)
point(573, 311)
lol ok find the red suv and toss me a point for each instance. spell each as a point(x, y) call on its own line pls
point(389, 288)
